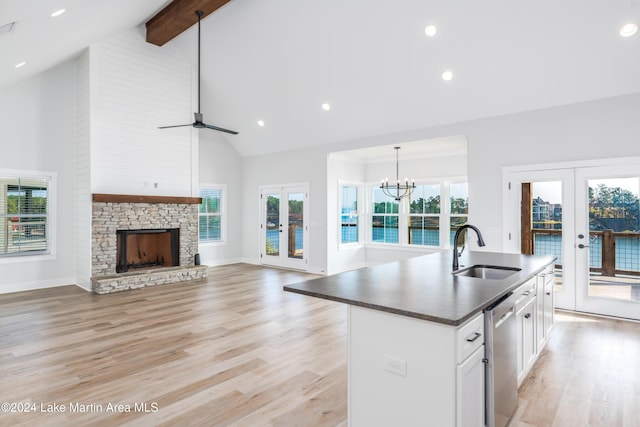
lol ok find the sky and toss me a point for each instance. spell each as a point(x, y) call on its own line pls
point(552, 191)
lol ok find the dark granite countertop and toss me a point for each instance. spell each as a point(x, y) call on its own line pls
point(424, 287)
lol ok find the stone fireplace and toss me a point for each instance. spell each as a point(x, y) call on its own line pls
point(139, 241)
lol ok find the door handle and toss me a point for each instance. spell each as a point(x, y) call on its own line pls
point(581, 246)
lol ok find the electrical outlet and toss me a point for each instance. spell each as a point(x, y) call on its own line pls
point(395, 365)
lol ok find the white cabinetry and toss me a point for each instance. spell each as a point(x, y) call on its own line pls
point(534, 316)
point(545, 306)
point(410, 372)
point(471, 390)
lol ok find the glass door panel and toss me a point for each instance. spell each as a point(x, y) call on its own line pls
point(283, 226)
point(272, 226)
point(608, 241)
point(546, 223)
point(542, 221)
point(296, 225)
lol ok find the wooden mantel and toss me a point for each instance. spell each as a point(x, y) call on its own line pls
point(127, 198)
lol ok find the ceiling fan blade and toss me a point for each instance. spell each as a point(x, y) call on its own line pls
point(232, 132)
point(175, 126)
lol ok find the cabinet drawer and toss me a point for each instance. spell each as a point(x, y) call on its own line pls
point(525, 293)
point(470, 337)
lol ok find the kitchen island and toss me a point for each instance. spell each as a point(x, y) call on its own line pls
point(415, 335)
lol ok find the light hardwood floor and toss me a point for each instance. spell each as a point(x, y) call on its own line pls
point(234, 350)
point(237, 350)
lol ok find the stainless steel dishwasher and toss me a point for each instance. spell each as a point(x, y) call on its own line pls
point(501, 369)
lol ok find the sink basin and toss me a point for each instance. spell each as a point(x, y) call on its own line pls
point(490, 272)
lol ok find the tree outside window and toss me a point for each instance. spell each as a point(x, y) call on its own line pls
point(210, 214)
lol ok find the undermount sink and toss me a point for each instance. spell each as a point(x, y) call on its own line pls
point(491, 272)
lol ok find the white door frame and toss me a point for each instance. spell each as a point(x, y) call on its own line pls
point(283, 260)
point(584, 302)
point(574, 202)
point(512, 242)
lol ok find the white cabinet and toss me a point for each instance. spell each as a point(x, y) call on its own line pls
point(410, 372)
point(534, 316)
point(526, 344)
point(470, 373)
point(549, 316)
point(471, 390)
point(545, 304)
point(526, 338)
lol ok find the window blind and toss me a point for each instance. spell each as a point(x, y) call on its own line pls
point(24, 215)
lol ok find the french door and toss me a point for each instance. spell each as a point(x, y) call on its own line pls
point(588, 217)
point(608, 241)
point(283, 226)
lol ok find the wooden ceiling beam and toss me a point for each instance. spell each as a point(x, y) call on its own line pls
point(177, 17)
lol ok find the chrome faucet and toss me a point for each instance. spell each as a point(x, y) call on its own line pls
point(455, 243)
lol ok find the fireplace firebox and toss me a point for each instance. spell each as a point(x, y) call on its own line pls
point(145, 249)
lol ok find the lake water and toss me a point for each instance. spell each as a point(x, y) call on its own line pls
point(627, 248)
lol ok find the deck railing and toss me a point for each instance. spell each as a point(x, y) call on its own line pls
point(611, 253)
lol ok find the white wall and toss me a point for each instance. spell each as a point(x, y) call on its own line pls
point(83, 205)
point(136, 87)
point(598, 129)
point(345, 257)
point(298, 166)
point(221, 164)
point(37, 130)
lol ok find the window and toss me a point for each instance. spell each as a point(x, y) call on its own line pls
point(349, 214)
point(424, 215)
point(211, 215)
point(384, 221)
point(25, 222)
point(428, 217)
point(458, 206)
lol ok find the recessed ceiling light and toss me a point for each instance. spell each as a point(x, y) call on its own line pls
point(326, 107)
point(260, 123)
point(58, 13)
point(628, 30)
point(447, 75)
point(20, 64)
point(430, 30)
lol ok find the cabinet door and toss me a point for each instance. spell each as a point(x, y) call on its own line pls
point(529, 338)
point(520, 344)
point(548, 308)
point(540, 332)
point(526, 339)
point(470, 391)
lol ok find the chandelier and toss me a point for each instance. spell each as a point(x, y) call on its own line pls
point(397, 190)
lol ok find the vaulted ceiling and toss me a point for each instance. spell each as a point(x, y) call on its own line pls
point(279, 60)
